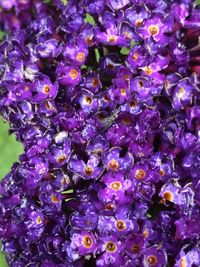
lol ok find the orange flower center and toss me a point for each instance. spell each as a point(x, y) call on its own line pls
point(152, 260)
point(126, 121)
point(38, 220)
point(113, 164)
point(46, 89)
point(138, 22)
point(88, 170)
point(153, 30)
point(140, 174)
point(48, 105)
point(88, 100)
point(80, 56)
point(181, 92)
point(111, 247)
point(94, 82)
point(146, 233)
point(61, 158)
point(54, 198)
point(123, 92)
point(183, 262)
point(73, 73)
point(88, 39)
point(112, 39)
point(87, 241)
point(148, 70)
point(135, 249)
point(116, 186)
point(106, 98)
point(133, 104)
point(162, 172)
point(168, 196)
point(120, 225)
point(127, 35)
point(126, 77)
point(135, 56)
point(140, 84)
point(109, 206)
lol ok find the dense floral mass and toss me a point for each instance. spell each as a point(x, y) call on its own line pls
point(104, 95)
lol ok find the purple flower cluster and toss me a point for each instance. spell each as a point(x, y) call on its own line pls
point(105, 97)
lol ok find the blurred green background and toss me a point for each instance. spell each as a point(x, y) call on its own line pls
point(10, 149)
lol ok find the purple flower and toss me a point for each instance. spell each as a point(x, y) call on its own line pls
point(116, 4)
point(140, 172)
point(42, 88)
point(75, 53)
point(87, 35)
point(98, 145)
point(68, 75)
point(92, 82)
point(87, 101)
point(181, 12)
point(138, 57)
point(59, 156)
point(154, 256)
point(111, 248)
point(183, 94)
point(85, 218)
point(187, 228)
point(84, 242)
point(116, 188)
point(164, 164)
point(192, 257)
point(89, 170)
point(136, 18)
point(134, 245)
point(156, 28)
point(119, 226)
point(50, 48)
point(173, 192)
point(95, 7)
point(35, 224)
point(7, 4)
point(111, 36)
point(116, 160)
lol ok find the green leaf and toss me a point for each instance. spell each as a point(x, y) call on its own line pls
point(125, 51)
point(197, 2)
point(89, 19)
point(97, 54)
point(50, 1)
point(47, 1)
point(10, 149)
point(68, 199)
point(2, 259)
point(2, 35)
point(133, 43)
point(70, 191)
point(64, 2)
point(83, 67)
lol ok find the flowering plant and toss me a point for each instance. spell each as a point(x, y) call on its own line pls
point(104, 96)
